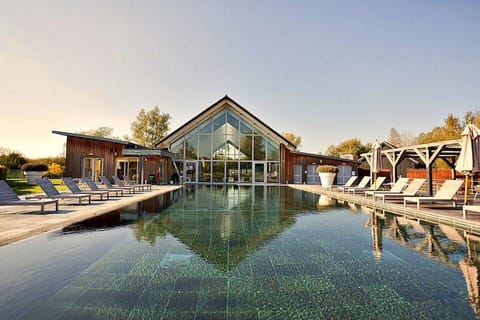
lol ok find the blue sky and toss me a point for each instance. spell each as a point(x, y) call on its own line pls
point(326, 70)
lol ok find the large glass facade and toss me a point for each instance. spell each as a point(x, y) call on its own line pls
point(228, 149)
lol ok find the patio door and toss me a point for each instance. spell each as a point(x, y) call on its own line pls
point(92, 168)
point(259, 174)
point(190, 173)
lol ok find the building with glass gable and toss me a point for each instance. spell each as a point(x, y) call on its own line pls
point(227, 144)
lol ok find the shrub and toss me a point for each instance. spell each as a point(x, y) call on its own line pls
point(3, 172)
point(55, 170)
point(327, 168)
point(34, 167)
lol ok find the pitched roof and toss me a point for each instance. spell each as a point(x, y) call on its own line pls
point(214, 109)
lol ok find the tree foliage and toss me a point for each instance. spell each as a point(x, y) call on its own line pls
point(104, 132)
point(451, 129)
point(352, 146)
point(12, 160)
point(150, 127)
point(294, 139)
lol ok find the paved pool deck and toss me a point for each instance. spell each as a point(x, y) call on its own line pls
point(21, 222)
point(439, 213)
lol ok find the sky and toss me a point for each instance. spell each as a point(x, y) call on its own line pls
point(328, 71)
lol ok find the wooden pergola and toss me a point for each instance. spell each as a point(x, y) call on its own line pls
point(427, 153)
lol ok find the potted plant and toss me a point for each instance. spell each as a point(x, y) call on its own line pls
point(34, 171)
point(327, 174)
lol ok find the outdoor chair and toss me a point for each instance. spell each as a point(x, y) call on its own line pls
point(349, 183)
point(74, 188)
point(396, 188)
point(52, 192)
point(120, 184)
point(110, 186)
point(93, 186)
point(131, 184)
point(374, 186)
point(8, 197)
point(470, 208)
point(446, 193)
point(362, 184)
point(411, 191)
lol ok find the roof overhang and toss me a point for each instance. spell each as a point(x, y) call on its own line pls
point(147, 152)
point(224, 103)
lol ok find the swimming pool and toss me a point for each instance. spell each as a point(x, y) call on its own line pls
point(241, 253)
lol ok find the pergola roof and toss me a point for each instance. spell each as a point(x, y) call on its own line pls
point(427, 153)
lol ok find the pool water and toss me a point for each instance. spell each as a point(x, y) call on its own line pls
point(241, 253)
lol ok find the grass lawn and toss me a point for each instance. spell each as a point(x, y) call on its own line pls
point(22, 187)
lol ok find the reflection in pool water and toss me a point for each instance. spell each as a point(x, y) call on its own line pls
point(243, 253)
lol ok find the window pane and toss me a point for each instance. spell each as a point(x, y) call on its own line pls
point(273, 151)
point(246, 147)
point(233, 123)
point(245, 128)
point(204, 147)
point(191, 147)
point(231, 142)
point(219, 124)
point(259, 148)
point(245, 172)
point(177, 149)
point(273, 172)
point(204, 173)
point(218, 174)
point(218, 147)
point(232, 171)
point(206, 127)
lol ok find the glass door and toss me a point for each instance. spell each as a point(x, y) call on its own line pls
point(92, 168)
point(259, 172)
point(190, 173)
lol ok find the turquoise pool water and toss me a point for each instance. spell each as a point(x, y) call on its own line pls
point(242, 253)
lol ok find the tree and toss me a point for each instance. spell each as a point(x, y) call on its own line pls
point(296, 140)
point(150, 127)
point(352, 146)
point(104, 132)
point(12, 160)
point(450, 130)
point(395, 138)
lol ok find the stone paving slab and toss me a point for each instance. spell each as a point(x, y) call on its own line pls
point(20, 222)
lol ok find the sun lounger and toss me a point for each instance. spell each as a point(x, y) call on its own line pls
point(411, 191)
point(74, 188)
point(120, 184)
point(110, 186)
point(52, 192)
point(93, 186)
point(144, 185)
point(362, 184)
point(373, 187)
point(446, 193)
point(472, 208)
point(8, 197)
point(347, 184)
point(396, 188)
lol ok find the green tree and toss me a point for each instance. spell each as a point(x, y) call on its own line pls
point(12, 160)
point(104, 132)
point(450, 130)
point(294, 139)
point(352, 146)
point(150, 127)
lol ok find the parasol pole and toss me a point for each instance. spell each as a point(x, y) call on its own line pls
point(466, 190)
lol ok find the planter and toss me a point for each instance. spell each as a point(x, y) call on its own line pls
point(32, 175)
point(326, 178)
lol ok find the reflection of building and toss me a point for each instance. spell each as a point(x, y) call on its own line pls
point(232, 224)
point(227, 144)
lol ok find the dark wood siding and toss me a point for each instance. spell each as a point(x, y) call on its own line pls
point(293, 158)
point(79, 149)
